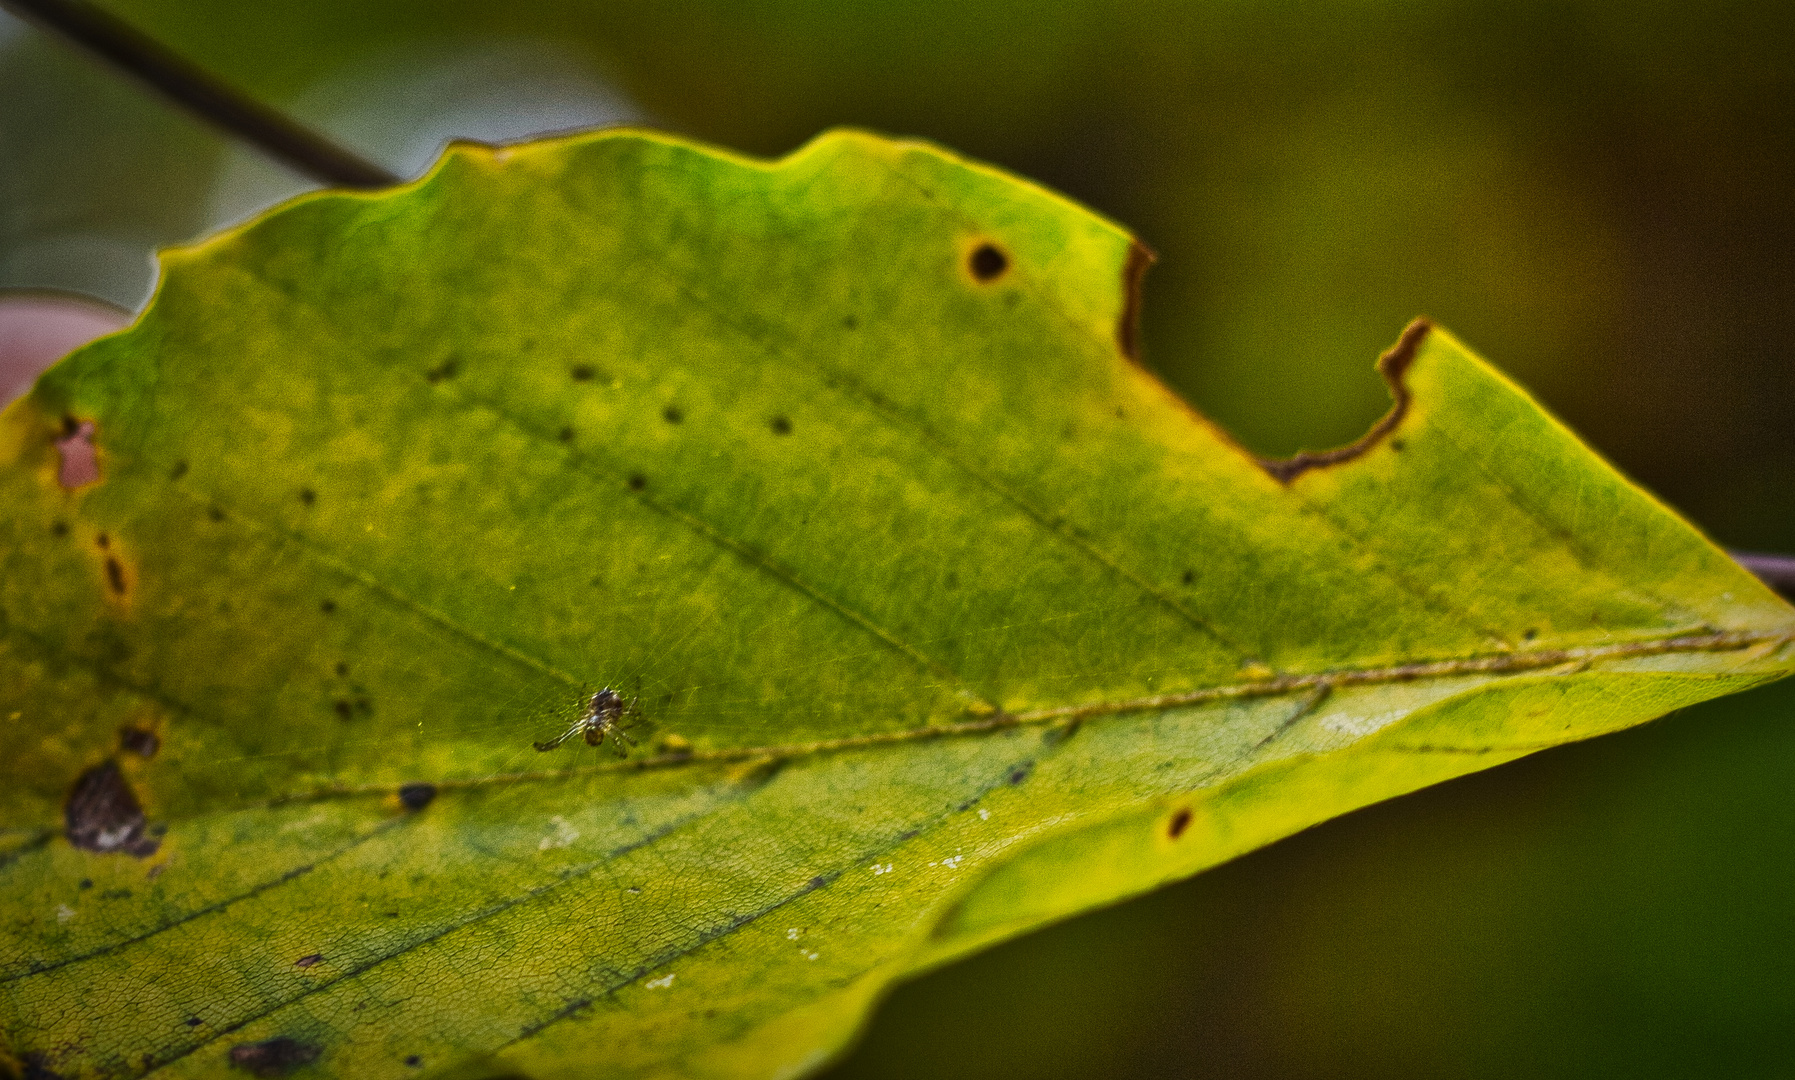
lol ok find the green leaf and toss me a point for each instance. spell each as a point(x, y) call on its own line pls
point(944, 619)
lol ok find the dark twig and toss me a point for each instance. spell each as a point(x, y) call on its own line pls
point(1776, 571)
point(128, 49)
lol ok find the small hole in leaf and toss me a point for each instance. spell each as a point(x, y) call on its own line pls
point(80, 461)
point(988, 263)
point(1180, 822)
point(781, 426)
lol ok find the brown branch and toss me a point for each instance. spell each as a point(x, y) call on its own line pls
point(1776, 571)
point(128, 49)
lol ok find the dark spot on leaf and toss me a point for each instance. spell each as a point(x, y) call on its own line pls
point(967, 805)
point(85, 883)
point(413, 1060)
point(160, 828)
point(988, 263)
point(448, 369)
point(849, 322)
point(672, 415)
point(952, 580)
point(817, 882)
point(363, 705)
point(194, 1021)
point(637, 481)
point(59, 528)
point(1530, 635)
point(1120, 415)
point(272, 1057)
point(581, 372)
point(565, 434)
point(103, 814)
point(80, 461)
point(1180, 822)
point(178, 471)
point(103, 540)
point(343, 710)
point(1020, 772)
point(781, 426)
point(1398, 445)
point(307, 496)
point(909, 834)
point(115, 576)
point(417, 796)
point(342, 669)
point(37, 1067)
point(308, 961)
point(328, 606)
point(214, 513)
point(1188, 577)
point(138, 741)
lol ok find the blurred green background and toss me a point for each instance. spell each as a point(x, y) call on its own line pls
point(1596, 195)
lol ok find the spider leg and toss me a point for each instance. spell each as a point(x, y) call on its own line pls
point(578, 726)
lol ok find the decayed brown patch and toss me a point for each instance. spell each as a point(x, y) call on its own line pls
point(1393, 365)
point(102, 814)
point(1128, 326)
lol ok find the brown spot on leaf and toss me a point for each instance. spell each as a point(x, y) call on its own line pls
point(272, 1057)
point(1392, 366)
point(115, 575)
point(987, 262)
point(1180, 822)
point(672, 415)
point(139, 741)
point(308, 961)
point(80, 459)
point(637, 482)
point(102, 814)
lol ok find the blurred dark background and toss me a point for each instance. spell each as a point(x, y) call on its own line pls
point(1596, 195)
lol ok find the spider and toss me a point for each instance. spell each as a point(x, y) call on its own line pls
point(602, 714)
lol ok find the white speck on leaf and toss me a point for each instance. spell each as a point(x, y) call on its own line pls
point(984, 814)
point(564, 834)
point(64, 913)
point(886, 869)
point(811, 955)
point(953, 863)
point(661, 983)
point(792, 934)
